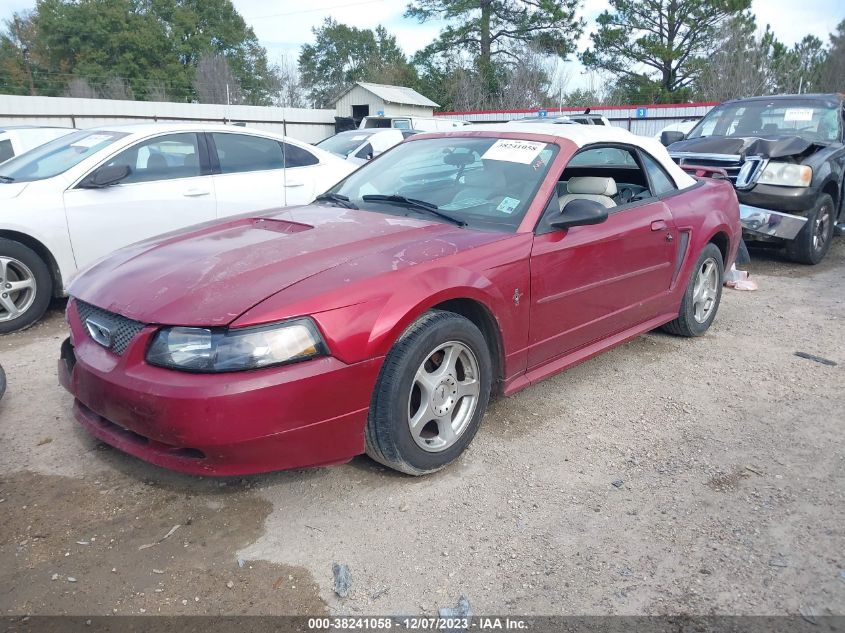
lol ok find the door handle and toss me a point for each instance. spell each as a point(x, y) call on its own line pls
point(193, 193)
point(294, 183)
point(659, 225)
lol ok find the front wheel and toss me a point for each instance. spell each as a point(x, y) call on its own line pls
point(431, 394)
point(702, 295)
point(26, 286)
point(812, 243)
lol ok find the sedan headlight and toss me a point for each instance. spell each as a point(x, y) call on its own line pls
point(219, 350)
point(786, 174)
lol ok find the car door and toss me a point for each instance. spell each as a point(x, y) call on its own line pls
point(589, 282)
point(305, 178)
point(169, 187)
point(248, 174)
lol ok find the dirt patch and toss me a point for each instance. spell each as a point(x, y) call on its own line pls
point(97, 547)
point(726, 482)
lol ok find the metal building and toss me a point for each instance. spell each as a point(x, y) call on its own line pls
point(367, 99)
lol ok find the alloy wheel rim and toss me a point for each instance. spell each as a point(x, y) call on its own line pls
point(705, 290)
point(17, 288)
point(820, 229)
point(444, 396)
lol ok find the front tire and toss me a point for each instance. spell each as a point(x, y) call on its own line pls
point(431, 394)
point(26, 286)
point(702, 295)
point(812, 243)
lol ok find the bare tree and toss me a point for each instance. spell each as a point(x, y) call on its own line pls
point(79, 87)
point(286, 86)
point(215, 82)
point(156, 90)
point(739, 67)
point(117, 88)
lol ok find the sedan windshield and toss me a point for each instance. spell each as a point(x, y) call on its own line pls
point(344, 143)
point(485, 183)
point(811, 119)
point(57, 156)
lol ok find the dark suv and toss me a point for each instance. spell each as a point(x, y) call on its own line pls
point(785, 156)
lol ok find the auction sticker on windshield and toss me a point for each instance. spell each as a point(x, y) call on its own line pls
point(91, 141)
point(514, 151)
point(798, 114)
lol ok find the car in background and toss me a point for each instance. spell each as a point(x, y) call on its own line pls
point(18, 139)
point(359, 146)
point(585, 118)
point(684, 127)
point(382, 317)
point(416, 123)
point(79, 197)
point(785, 155)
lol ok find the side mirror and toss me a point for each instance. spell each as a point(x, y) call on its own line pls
point(105, 176)
point(671, 136)
point(580, 212)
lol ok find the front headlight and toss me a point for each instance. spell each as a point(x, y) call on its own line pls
point(786, 174)
point(213, 350)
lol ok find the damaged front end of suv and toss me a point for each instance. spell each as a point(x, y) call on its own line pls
point(785, 157)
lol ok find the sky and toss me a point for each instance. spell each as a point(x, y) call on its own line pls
point(283, 26)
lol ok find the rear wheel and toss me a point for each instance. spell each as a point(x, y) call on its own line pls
point(813, 242)
point(25, 286)
point(702, 296)
point(431, 394)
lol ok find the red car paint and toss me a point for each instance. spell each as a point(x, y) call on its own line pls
point(364, 277)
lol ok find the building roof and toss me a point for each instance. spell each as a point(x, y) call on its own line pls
point(393, 94)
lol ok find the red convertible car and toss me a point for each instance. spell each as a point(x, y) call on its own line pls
point(382, 317)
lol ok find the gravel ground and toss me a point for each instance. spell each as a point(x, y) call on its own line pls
point(666, 476)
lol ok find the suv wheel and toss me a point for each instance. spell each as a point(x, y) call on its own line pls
point(813, 242)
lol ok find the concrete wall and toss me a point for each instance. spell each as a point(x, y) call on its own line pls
point(308, 125)
point(657, 116)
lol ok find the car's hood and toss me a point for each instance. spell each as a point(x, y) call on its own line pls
point(776, 147)
point(212, 274)
point(9, 190)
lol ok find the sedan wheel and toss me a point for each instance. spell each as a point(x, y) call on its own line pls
point(431, 394)
point(26, 286)
point(444, 396)
point(17, 288)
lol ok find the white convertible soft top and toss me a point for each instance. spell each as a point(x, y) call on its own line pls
point(583, 135)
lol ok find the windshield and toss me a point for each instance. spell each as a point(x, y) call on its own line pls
point(344, 143)
point(808, 118)
point(485, 183)
point(57, 156)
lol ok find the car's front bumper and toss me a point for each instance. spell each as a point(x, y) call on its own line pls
point(306, 414)
point(768, 223)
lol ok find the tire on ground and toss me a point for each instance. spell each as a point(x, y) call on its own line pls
point(388, 436)
point(804, 249)
point(686, 324)
point(43, 285)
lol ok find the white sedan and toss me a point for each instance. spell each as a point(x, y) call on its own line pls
point(359, 146)
point(71, 201)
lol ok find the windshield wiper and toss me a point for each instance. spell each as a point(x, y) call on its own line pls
point(419, 205)
point(338, 199)
point(6, 179)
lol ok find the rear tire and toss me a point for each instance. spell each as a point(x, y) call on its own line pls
point(26, 286)
point(431, 394)
point(812, 243)
point(702, 295)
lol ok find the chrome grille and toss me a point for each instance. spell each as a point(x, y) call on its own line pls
point(743, 172)
point(122, 330)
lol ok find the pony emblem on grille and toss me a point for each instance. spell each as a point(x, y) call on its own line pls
point(99, 331)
